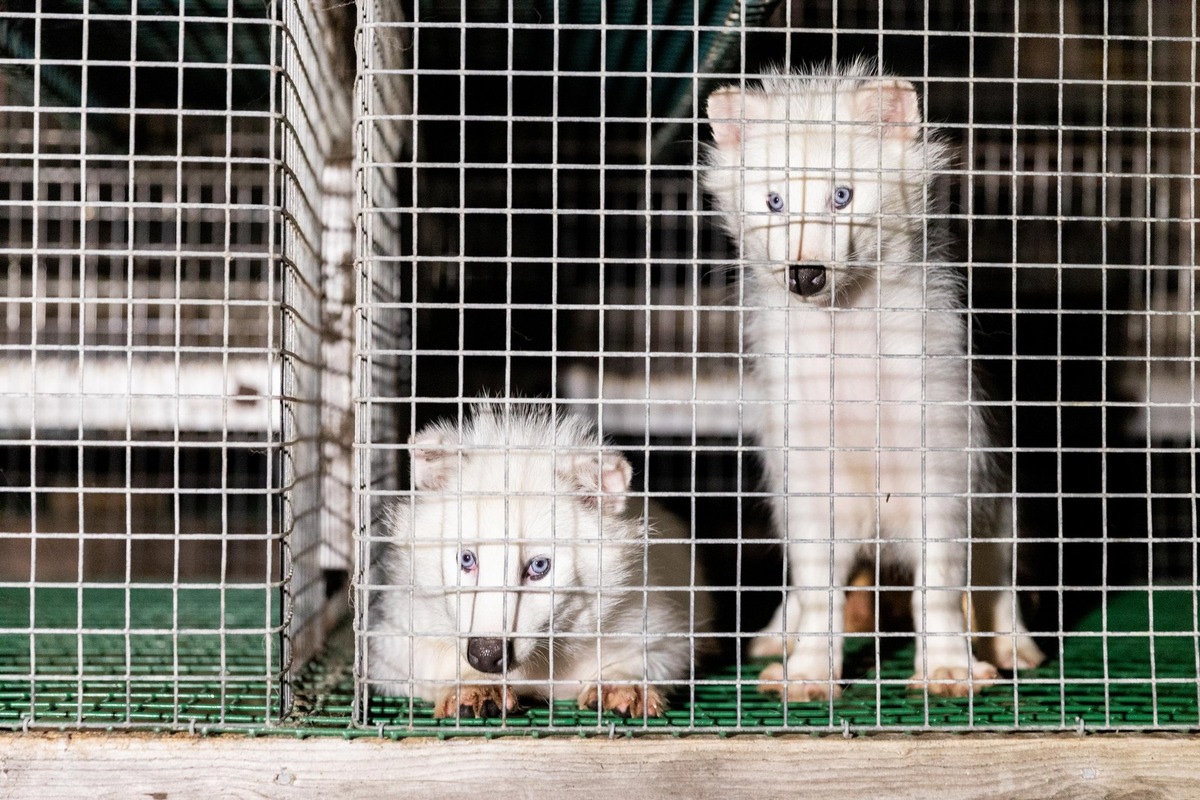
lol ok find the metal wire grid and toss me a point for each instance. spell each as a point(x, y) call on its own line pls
point(722, 700)
point(384, 141)
point(150, 234)
point(552, 256)
point(315, 214)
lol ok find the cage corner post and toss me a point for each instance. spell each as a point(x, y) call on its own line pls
point(316, 224)
point(385, 276)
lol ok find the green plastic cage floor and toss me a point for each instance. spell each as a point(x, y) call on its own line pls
point(139, 657)
point(184, 660)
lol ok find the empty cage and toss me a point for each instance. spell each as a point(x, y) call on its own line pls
point(164, 168)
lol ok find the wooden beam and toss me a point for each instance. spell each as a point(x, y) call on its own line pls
point(918, 767)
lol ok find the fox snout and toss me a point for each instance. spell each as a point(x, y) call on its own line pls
point(489, 655)
point(805, 279)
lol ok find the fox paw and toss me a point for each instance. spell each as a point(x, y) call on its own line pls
point(1028, 654)
point(482, 702)
point(797, 688)
point(953, 681)
point(624, 701)
point(768, 646)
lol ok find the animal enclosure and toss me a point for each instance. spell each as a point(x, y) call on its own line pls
point(252, 248)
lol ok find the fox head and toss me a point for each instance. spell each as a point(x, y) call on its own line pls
point(517, 519)
point(821, 178)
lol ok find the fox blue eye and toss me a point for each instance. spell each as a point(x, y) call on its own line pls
point(842, 195)
point(537, 568)
point(466, 560)
point(774, 202)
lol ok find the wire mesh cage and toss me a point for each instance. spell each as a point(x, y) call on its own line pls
point(416, 380)
point(558, 244)
point(162, 231)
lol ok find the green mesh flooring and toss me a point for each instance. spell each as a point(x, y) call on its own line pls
point(162, 662)
point(142, 657)
point(1121, 680)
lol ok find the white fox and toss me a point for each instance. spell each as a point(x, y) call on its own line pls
point(520, 568)
point(863, 397)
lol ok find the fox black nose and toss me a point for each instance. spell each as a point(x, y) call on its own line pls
point(488, 655)
point(806, 279)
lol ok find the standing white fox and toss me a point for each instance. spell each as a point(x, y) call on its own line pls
point(863, 397)
point(519, 568)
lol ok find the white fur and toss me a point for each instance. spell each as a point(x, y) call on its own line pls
point(863, 391)
point(519, 482)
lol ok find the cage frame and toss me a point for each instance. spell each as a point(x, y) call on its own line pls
point(840, 763)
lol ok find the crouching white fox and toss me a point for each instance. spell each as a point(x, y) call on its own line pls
point(520, 568)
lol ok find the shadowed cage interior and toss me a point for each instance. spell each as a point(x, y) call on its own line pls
point(252, 248)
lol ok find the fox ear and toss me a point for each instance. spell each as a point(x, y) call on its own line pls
point(724, 109)
point(731, 112)
point(434, 458)
point(605, 481)
point(891, 103)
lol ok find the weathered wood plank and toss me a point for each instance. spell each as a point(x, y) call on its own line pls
point(1052, 767)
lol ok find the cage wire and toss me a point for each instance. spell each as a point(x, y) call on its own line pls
point(553, 243)
point(161, 412)
point(235, 290)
